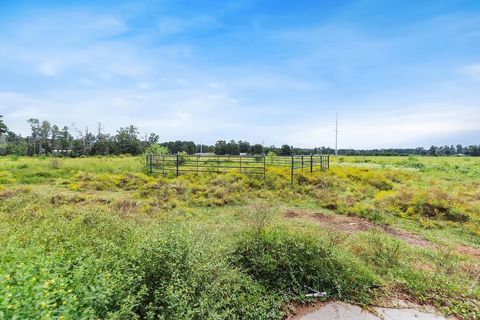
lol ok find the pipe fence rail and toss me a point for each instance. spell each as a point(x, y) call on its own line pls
point(249, 165)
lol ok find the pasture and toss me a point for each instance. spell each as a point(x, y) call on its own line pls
point(101, 237)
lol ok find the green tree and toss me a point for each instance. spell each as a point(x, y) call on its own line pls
point(65, 140)
point(221, 147)
point(244, 146)
point(232, 148)
point(127, 140)
point(285, 150)
point(256, 149)
point(459, 149)
point(3, 126)
point(35, 133)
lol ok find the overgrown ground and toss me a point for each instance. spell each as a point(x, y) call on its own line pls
point(100, 238)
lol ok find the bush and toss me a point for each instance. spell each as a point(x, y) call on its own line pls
point(295, 264)
point(183, 278)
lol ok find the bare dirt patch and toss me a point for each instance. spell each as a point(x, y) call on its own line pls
point(7, 194)
point(351, 224)
point(357, 224)
point(468, 251)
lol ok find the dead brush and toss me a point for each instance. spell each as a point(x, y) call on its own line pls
point(61, 199)
point(336, 238)
point(258, 218)
point(9, 193)
point(5, 194)
point(447, 259)
point(380, 250)
point(126, 207)
point(56, 164)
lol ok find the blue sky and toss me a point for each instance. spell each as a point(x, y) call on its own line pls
point(399, 73)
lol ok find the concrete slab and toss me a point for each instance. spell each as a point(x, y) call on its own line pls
point(339, 311)
point(345, 311)
point(406, 314)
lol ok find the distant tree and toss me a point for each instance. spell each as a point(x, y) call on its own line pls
point(221, 147)
point(16, 144)
point(84, 144)
point(127, 140)
point(54, 139)
point(285, 150)
point(189, 147)
point(104, 143)
point(232, 148)
point(35, 133)
point(244, 146)
point(44, 133)
point(65, 140)
point(459, 149)
point(473, 150)
point(156, 149)
point(3, 126)
point(152, 139)
point(256, 149)
point(271, 149)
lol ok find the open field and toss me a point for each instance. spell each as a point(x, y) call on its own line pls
point(102, 238)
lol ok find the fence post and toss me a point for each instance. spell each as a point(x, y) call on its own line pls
point(311, 163)
point(328, 162)
point(197, 162)
point(177, 165)
point(240, 158)
point(291, 172)
point(264, 166)
point(150, 162)
point(302, 163)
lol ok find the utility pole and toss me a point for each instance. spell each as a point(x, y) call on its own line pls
point(336, 134)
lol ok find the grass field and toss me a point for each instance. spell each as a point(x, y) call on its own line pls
point(101, 238)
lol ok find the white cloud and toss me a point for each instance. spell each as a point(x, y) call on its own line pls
point(402, 128)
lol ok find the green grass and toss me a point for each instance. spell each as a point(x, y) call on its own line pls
point(101, 238)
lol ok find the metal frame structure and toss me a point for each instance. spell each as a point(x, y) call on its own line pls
point(249, 165)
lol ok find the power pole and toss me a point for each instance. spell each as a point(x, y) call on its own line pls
point(336, 134)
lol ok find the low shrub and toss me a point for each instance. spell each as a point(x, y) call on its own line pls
point(433, 203)
point(295, 264)
point(181, 277)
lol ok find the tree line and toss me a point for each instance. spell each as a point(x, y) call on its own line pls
point(49, 139)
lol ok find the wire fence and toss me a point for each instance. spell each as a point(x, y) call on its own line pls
point(249, 165)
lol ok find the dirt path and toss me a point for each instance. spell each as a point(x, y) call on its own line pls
point(351, 224)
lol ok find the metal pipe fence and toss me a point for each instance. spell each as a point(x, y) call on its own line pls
point(249, 165)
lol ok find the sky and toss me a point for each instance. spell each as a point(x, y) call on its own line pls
point(399, 73)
